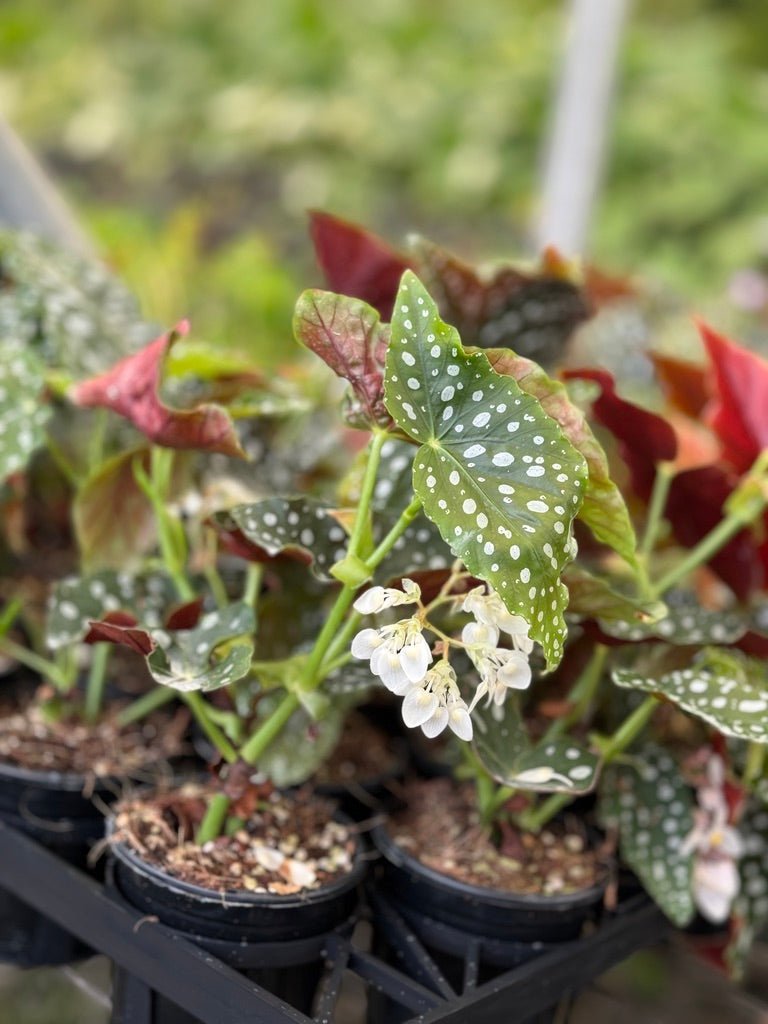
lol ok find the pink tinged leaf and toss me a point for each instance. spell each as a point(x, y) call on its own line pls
point(132, 389)
point(739, 414)
point(685, 384)
point(356, 262)
point(120, 628)
point(436, 724)
point(348, 335)
point(419, 706)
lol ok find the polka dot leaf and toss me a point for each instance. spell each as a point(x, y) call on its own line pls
point(217, 652)
point(684, 626)
point(22, 413)
point(494, 472)
point(78, 600)
point(651, 806)
point(725, 688)
point(298, 527)
point(503, 746)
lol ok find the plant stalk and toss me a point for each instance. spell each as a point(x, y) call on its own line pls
point(198, 707)
point(97, 677)
point(212, 824)
point(146, 704)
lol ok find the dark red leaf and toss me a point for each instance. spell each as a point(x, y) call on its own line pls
point(532, 313)
point(132, 389)
point(644, 438)
point(739, 414)
point(348, 335)
point(120, 628)
point(356, 262)
point(185, 616)
point(685, 384)
point(695, 506)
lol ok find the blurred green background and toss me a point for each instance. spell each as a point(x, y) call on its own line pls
point(192, 137)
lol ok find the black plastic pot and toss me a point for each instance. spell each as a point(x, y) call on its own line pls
point(276, 941)
point(52, 808)
point(448, 916)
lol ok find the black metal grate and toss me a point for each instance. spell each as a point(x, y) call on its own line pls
point(156, 959)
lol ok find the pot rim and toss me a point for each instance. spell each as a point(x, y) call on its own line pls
point(69, 781)
point(234, 897)
point(400, 858)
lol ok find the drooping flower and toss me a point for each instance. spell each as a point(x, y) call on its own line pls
point(399, 654)
point(716, 847)
point(489, 610)
point(376, 599)
point(500, 670)
point(436, 702)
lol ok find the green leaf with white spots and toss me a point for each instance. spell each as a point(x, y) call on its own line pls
point(77, 600)
point(685, 626)
point(652, 807)
point(217, 652)
point(603, 510)
point(302, 527)
point(593, 597)
point(505, 750)
point(22, 414)
point(725, 688)
point(750, 908)
point(494, 472)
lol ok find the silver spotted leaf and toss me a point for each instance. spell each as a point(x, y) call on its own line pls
point(686, 625)
point(724, 688)
point(23, 414)
point(505, 750)
point(750, 908)
point(77, 600)
point(494, 472)
point(302, 526)
point(651, 806)
point(354, 678)
point(217, 652)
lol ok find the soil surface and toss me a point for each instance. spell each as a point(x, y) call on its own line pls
point(363, 754)
point(30, 738)
point(441, 828)
point(286, 843)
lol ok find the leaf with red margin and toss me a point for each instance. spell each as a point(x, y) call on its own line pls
point(603, 509)
point(533, 313)
point(739, 415)
point(645, 439)
point(348, 335)
point(686, 385)
point(356, 262)
point(131, 388)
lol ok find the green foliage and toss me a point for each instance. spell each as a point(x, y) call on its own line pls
point(493, 472)
point(22, 416)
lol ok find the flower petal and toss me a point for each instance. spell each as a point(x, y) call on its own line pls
point(370, 602)
point(435, 725)
point(480, 634)
point(419, 705)
point(385, 663)
point(460, 722)
point(415, 657)
point(365, 643)
point(515, 673)
point(715, 885)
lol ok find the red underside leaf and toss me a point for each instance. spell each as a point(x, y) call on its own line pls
point(120, 628)
point(739, 413)
point(644, 438)
point(356, 262)
point(686, 385)
point(185, 616)
point(132, 389)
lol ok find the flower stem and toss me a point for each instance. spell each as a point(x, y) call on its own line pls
point(362, 517)
point(94, 691)
point(253, 583)
point(199, 709)
point(269, 730)
point(146, 704)
point(212, 824)
point(661, 484)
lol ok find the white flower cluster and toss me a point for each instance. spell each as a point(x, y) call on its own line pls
point(716, 847)
point(401, 657)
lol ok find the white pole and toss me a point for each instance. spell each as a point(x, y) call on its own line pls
point(579, 130)
point(29, 200)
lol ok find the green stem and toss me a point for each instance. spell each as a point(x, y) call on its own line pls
point(535, 819)
point(47, 669)
point(699, 555)
point(484, 784)
point(581, 695)
point(362, 518)
point(753, 769)
point(664, 474)
point(212, 824)
point(146, 704)
point(198, 707)
point(97, 677)
point(406, 518)
point(253, 583)
point(269, 730)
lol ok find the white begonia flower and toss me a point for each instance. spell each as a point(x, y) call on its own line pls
point(378, 598)
point(716, 847)
point(399, 654)
point(436, 702)
point(500, 670)
point(489, 610)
